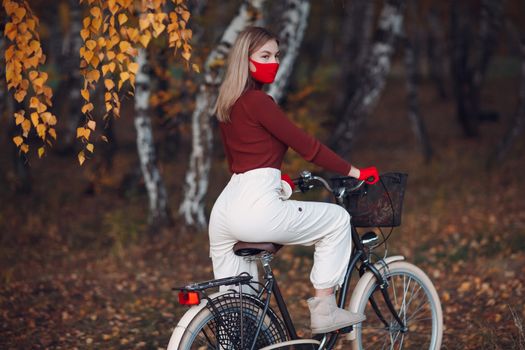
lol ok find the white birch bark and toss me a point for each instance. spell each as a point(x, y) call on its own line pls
point(158, 203)
point(294, 20)
point(197, 175)
point(374, 77)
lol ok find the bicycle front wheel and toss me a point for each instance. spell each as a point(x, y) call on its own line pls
point(415, 299)
point(231, 324)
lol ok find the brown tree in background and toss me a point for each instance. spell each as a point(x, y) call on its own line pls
point(373, 77)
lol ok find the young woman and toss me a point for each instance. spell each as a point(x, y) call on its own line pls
point(256, 134)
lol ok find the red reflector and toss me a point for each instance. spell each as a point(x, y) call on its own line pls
point(189, 298)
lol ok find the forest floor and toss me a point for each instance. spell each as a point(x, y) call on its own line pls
point(78, 270)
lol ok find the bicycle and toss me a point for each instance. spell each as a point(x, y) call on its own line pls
point(400, 302)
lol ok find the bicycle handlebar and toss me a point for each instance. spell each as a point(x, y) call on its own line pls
point(304, 184)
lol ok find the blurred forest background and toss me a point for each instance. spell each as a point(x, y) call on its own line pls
point(89, 253)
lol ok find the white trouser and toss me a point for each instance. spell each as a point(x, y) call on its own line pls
point(249, 209)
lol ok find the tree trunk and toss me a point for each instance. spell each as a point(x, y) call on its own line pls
point(414, 114)
point(517, 124)
point(468, 77)
point(374, 76)
point(71, 62)
point(158, 199)
point(436, 52)
point(356, 40)
point(196, 182)
point(294, 19)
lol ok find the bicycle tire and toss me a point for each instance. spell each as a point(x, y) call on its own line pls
point(424, 332)
point(205, 331)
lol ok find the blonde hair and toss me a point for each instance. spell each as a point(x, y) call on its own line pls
point(237, 78)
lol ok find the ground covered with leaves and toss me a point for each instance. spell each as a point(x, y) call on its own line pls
point(79, 271)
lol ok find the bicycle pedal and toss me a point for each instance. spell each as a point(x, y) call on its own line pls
point(344, 330)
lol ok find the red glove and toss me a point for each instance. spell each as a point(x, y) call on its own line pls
point(287, 178)
point(369, 175)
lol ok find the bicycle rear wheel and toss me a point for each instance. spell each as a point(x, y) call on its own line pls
point(417, 303)
point(224, 326)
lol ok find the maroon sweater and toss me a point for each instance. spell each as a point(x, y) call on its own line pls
point(260, 133)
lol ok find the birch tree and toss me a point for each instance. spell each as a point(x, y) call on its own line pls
point(158, 201)
point(197, 175)
point(294, 20)
point(373, 78)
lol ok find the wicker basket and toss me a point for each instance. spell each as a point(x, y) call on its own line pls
point(378, 205)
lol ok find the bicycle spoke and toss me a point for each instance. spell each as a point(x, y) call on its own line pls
point(413, 304)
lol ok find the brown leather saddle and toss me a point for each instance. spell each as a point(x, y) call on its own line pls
point(250, 249)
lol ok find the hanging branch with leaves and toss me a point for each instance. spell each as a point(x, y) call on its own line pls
point(23, 58)
point(111, 39)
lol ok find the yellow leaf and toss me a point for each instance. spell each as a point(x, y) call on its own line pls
point(121, 57)
point(20, 13)
point(104, 138)
point(88, 55)
point(41, 107)
point(81, 157)
point(84, 33)
point(20, 94)
point(33, 75)
point(19, 118)
point(95, 24)
point(92, 124)
point(38, 82)
point(158, 28)
point(86, 21)
point(111, 55)
point(95, 11)
point(80, 132)
point(41, 152)
point(186, 55)
point(24, 148)
point(186, 15)
point(34, 118)
point(95, 62)
point(122, 18)
point(109, 84)
point(145, 38)
point(85, 94)
point(91, 44)
point(90, 147)
point(101, 42)
point(53, 133)
point(124, 76)
point(93, 75)
point(18, 140)
point(143, 23)
point(133, 67)
point(112, 6)
point(109, 107)
point(26, 126)
point(87, 108)
point(124, 46)
point(195, 68)
point(41, 131)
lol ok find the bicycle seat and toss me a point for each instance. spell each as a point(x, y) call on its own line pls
point(249, 249)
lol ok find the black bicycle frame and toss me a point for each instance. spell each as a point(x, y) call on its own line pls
point(358, 255)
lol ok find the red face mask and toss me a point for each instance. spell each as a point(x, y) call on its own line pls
point(264, 72)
